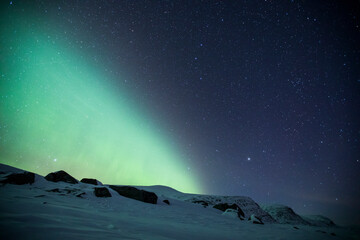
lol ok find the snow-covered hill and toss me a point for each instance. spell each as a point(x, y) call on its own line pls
point(284, 214)
point(43, 209)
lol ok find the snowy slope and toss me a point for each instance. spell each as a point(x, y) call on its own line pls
point(247, 205)
point(37, 211)
point(318, 220)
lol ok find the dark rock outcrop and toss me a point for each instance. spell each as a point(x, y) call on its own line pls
point(254, 219)
point(134, 193)
point(102, 192)
point(19, 178)
point(67, 191)
point(89, 181)
point(166, 201)
point(80, 195)
point(54, 190)
point(61, 176)
point(247, 205)
point(224, 206)
point(205, 204)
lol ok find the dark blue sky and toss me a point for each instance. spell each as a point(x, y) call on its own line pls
point(262, 97)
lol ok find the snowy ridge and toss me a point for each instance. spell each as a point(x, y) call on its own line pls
point(247, 205)
point(61, 210)
point(284, 214)
point(318, 220)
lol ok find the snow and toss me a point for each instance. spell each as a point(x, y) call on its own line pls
point(34, 212)
point(318, 220)
point(232, 213)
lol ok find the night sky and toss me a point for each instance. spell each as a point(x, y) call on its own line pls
point(254, 98)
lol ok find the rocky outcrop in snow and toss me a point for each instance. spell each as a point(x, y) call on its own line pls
point(224, 207)
point(246, 204)
point(18, 178)
point(90, 181)
point(61, 176)
point(102, 192)
point(134, 193)
point(255, 220)
point(231, 213)
point(284, 214)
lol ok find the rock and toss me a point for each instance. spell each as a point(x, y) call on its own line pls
point(224, 206)
point(246, 204)
point(134, 193)
point(68, 191)
point(166, 201)
point(255, 219)
point(80, 195)
point(102, 192)
point(89, 181)
point(53, 190)
point(40, 196)
point(19, 178)
point(205, 204)
point(61, 176)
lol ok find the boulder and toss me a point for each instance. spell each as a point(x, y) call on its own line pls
point(60, 176)
point(134, 193)
point(102, 192)
point(19, 178)
point(224, 206)
point(166, 201)
point(89, 181)
point(255, 219)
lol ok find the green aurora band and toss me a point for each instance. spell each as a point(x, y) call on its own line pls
point(58, 112)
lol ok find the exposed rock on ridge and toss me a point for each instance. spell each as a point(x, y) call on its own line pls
point(19, 178)
point(61, 176)
point(134, 193)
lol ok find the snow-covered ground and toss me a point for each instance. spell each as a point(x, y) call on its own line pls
point(37, 211)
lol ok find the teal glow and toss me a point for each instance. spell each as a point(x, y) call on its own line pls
point(58, 111)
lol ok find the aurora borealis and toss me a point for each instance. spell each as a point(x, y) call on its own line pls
point(60, 112)
point(250, 98)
